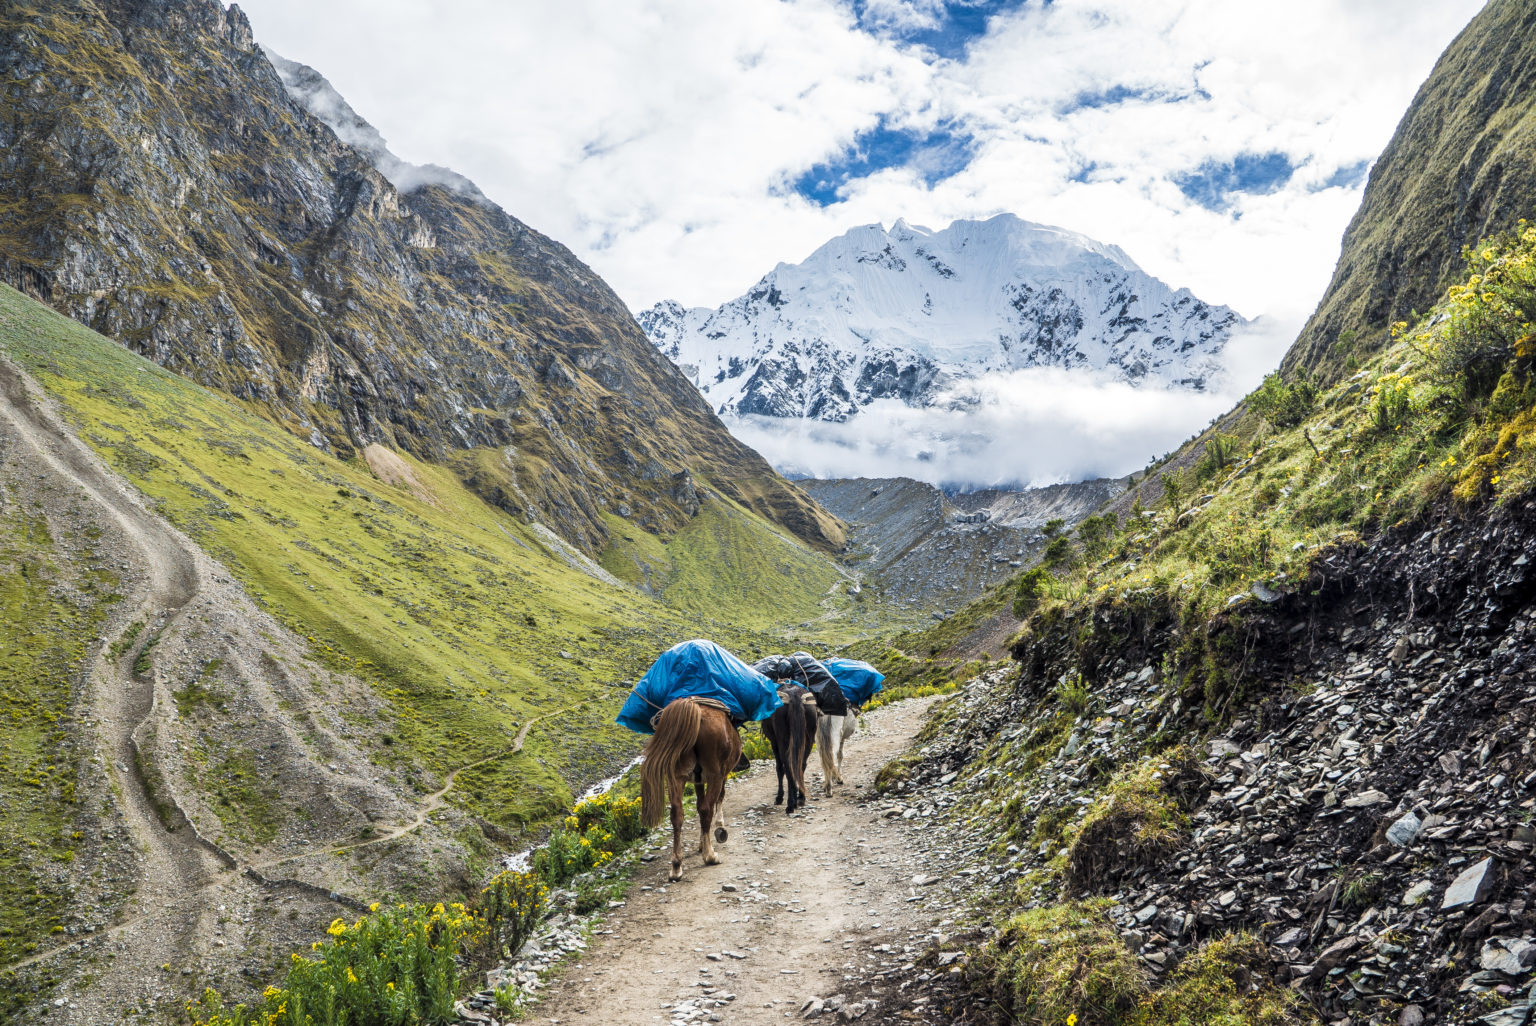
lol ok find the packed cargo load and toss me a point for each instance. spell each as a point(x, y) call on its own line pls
point(859, 680)
point(699, 669)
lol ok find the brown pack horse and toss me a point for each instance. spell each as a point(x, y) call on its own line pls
point(694, 739)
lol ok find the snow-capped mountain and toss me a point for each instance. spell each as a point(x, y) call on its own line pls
point(910, 313)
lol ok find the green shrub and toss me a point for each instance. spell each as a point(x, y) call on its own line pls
point(1030, 589)
point(1097, 534)
point(1392, 403)
point(1059, 554)
point(1491, 314)
point(394, 966)
point(1175, 493)
point(1284, 405)
point(1225, 982)
point(512, 904)
point(1048, 964)
point(1140, 818)
point(1072, 695)
point(1221, 451)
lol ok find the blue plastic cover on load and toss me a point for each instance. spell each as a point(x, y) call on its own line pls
point(859, 681)
point(701, 669)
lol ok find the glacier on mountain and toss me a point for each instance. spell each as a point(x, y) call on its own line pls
point(912, 314)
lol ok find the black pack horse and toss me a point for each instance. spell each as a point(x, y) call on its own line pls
point(791, 732)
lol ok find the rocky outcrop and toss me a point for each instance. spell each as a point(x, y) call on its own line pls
point(1364, 803)
point(1462, 165)
point(161, 185)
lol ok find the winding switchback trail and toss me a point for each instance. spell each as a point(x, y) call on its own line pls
point(171, 861)
point(797, 903)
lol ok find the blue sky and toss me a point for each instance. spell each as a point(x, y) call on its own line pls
point(930, 154)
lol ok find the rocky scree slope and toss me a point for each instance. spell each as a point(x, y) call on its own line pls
point(1368, 816)
point(1460, 167)
point(920, 549)
point(162, 186)
point(909, 314)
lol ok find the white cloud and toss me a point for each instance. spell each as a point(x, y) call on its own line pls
point(657, 137)
point(1030, 427)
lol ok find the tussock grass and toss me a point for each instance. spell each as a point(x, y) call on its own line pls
point(1067, 964)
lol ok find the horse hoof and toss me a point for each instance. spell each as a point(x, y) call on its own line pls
point(712, 860)
point(722, 835)
point(676, 874)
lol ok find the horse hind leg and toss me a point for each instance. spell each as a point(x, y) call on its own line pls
point(711, 802)
point(824, 734)
point(677, 827)
point(850, 724)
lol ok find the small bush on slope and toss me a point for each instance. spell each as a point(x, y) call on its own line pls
point(1067, 964)
point(405, 966)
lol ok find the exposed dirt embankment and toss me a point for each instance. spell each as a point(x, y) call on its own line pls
point(1364, 804)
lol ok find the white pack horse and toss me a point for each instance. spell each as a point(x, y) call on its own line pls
point(831, 732)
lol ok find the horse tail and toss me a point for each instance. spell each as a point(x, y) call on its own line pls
point(802, 739)
point(677, 730)
point(824, 735)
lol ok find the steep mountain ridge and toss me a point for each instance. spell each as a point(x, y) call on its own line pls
point(1460, 167)
point(162, 186)
point(910, 313)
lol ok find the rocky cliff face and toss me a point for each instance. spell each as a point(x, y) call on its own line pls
point(910, 313)
point(1462, 165)
point(159, 183)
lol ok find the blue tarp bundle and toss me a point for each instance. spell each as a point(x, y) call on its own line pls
point(859, 681)
point(701, 669)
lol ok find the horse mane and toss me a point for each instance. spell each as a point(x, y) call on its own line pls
point(677, 729)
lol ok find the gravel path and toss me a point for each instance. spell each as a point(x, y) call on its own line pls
point(796, 911)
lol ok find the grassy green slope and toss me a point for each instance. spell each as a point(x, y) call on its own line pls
point(456, 612)
point(1461, 165)
point(1446, 412)
point(727, 558)
point(51, 602)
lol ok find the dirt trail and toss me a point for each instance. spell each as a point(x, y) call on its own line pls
point(193, 896)
point(810, 893)
point(171, 575)
point(433, 802)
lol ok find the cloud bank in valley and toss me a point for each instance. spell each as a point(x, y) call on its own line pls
point(1023, 428)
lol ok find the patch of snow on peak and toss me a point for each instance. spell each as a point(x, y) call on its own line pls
point(911, 313)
